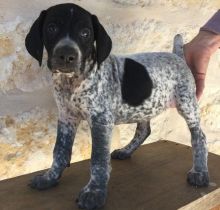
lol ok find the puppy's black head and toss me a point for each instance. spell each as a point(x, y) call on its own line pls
point(72, 37)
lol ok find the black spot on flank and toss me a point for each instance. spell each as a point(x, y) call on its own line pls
point(137, 84)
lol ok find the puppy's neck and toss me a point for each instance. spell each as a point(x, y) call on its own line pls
point(78, 78)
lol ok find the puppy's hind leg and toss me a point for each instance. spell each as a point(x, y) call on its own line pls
point(187, 106)
point(142, 132)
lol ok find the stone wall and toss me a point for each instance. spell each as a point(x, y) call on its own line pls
point(27, 110)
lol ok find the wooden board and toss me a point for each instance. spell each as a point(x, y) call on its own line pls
point(216, 208)
point(154, 178)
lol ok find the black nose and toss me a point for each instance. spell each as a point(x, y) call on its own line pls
point(65, 55)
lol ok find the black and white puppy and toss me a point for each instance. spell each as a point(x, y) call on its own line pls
point(90, 84)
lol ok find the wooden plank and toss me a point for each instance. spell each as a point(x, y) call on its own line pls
point(205, 202)
point(216, 208)
point(154, 178)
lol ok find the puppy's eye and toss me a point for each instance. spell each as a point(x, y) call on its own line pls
point(85, 33)
point(52, 28)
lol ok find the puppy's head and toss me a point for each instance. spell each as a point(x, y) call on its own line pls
point(72, 37)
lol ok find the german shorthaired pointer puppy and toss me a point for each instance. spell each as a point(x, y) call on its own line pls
point(90, 84)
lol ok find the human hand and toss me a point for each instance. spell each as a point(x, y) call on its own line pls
point(197, 55)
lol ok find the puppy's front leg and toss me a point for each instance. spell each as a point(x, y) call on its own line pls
point(93, 195)
point(66, 130)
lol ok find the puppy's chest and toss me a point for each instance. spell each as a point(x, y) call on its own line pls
point(79, 97)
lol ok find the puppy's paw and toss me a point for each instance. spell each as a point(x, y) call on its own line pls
point(120, 154)
point(42, 182)
point(198, 179)
point(91, 198)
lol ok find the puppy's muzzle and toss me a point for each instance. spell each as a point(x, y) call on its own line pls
point(65, 58)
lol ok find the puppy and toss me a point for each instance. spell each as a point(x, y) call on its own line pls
point(90, 84)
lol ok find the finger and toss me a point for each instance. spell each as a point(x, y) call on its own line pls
point(187, 55)
point(199, 72)
point(200, 85)
point(201, 65)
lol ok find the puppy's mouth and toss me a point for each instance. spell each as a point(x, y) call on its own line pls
point(56, 67)
point(55, 71)
point(72, 74)
point(60, 70)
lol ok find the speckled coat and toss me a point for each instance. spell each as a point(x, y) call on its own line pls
point(98, 99)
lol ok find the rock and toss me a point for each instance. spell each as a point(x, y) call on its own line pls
point(7, 46)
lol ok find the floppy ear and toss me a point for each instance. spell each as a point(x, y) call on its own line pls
point(34, 39)
point(103, 41)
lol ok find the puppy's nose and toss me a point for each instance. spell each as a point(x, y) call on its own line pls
point(67, 58)
point(66, 55)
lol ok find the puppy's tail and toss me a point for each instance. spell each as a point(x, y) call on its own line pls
point(178, 46)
